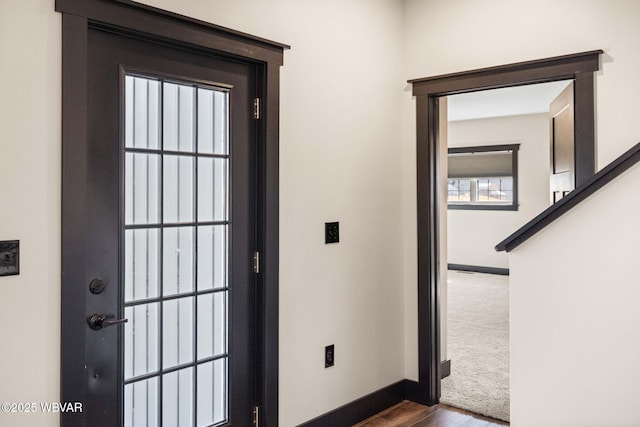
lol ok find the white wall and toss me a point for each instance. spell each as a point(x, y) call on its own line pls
point(575, 344)
point(30, 206)
point(445, 36)
point(340, 121)
point(347, 154)
point(473, 234)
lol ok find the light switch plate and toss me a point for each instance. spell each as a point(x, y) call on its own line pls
point(9, 257)
point(331, 232)
point(329, 356)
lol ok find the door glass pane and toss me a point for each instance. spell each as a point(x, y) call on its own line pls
point(141, 403)
point(142, 264)
point(178, 117)
point(177, 332)
point(213, 112)
point(142, 188)
point(212, 392)
point(177, 264)
point(176, 254)
point(178, 191)
point(142, 111)
point(177, 398)
point(212, 257)
point(212, 324)
point(141, 340)
point(212, 189)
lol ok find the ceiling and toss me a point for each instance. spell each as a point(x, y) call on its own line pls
point(510, 101)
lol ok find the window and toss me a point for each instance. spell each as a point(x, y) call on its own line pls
point(483, 177)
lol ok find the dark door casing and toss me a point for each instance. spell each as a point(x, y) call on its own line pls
point(579, 67)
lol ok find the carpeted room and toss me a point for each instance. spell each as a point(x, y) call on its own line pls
point(478, 343)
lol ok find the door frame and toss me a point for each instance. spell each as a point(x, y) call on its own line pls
point(159, 26)
point(579, 67)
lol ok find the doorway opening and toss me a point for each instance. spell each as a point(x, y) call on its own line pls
point(579, 68)
point(496, 170)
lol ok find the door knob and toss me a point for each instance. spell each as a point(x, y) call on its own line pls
point(98, 321)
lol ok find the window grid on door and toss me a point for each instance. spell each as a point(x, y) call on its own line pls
point(176, 253)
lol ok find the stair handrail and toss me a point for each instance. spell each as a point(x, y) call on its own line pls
point(580, 193)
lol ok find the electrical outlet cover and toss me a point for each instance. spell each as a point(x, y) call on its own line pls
point(9, 257)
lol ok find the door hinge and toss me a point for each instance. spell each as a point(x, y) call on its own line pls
point(256, 416)
point(256, 262)
point(256, 108)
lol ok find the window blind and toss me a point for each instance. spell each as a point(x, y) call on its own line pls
point(480, 164)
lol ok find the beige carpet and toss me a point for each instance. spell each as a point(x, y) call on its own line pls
point(478, 344)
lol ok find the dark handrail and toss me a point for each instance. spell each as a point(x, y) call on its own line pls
point(553, 212)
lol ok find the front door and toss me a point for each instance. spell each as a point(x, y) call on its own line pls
point(168, 301)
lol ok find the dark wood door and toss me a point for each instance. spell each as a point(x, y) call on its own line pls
point(171, 228)
point(561, 114)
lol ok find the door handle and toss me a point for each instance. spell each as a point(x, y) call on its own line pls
point(98, 321)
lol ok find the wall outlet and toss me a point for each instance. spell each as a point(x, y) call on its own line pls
point(9, 257)
point(329, 356)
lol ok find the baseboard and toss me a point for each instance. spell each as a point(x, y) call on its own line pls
point(445, 368)
point(361, 409)
point(479, 269)
point(415, 393)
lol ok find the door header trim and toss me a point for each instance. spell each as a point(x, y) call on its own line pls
point(528, 72)
point(174, 28)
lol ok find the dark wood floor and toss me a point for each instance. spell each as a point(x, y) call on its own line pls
point(410, 414)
